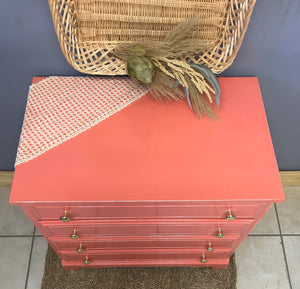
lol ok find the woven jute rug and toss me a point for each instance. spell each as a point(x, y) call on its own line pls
point(55, 277)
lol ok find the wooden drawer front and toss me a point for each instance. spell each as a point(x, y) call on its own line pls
point(144, 254)
point(241, 211)
point(138, 228)
point(66, 244)
point(169, 262)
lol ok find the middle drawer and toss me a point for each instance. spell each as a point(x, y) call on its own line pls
point(135, 242)
point(144, 227)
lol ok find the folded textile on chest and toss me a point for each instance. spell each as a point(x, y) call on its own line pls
point(60, 108)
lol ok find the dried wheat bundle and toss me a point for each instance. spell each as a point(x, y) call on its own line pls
point(159, 67)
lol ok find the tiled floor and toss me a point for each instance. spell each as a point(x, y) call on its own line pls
point(268, 259)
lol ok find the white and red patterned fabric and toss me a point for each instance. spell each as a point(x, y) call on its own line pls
point(60, 108)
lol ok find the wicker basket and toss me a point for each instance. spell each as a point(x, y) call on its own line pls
point(88, 30)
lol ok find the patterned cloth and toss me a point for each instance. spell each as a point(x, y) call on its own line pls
point(60, 108)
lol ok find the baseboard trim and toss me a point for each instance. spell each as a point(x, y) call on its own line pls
point(6, 178)
point(288, 178)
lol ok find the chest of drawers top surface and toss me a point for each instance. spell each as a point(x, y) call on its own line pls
point(151, 151)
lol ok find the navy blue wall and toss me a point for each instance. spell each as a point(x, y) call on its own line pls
point(271, 51)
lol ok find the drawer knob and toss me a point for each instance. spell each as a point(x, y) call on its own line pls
point(80, 249)
point(86, 261)
point(203, 260)
point(74, 235)
point(230, 216)
point(65, 217)
point(220, 234)
point(210, 248)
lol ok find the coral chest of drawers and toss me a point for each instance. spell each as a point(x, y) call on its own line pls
point(152, 185)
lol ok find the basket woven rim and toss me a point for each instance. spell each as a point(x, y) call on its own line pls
point(92, 57)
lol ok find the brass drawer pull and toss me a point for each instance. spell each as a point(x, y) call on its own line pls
point(65, 217)
point(80, 249)
point(220, 234)
point(86, 261)
point(230, 216)
point(203, 260)
point(74, 235)
point(210, 248)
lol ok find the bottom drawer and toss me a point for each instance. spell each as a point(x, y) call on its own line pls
point(170, 262)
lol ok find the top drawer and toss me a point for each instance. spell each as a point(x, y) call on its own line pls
point(216, 211)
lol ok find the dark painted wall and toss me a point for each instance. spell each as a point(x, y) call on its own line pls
point(271, 51)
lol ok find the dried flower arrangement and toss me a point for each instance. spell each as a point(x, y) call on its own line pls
point(159, 67)
point(173, 47)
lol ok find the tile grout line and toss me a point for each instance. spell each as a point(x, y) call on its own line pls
point(274, 235)
point(263, 235)
point(283, 248)
point(15, 236)
point(29, 261)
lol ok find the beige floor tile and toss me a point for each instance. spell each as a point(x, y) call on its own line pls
point(260, 264)
point(268, 224)
point(37, 232)
point(292, 251)
point(37, 263)
point(14, 258)
point(289, 211)
point(13, 221)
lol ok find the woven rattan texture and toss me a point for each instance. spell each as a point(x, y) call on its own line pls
point(88, 30)
point(133, 21)
point(60, 108)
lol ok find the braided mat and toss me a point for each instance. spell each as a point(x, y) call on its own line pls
point(55, 277)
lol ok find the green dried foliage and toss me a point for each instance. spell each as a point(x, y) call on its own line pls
point(141, 69)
